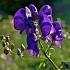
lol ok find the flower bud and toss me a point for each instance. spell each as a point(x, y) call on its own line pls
point(3, 37)
point(7, 38)
point(6, 50)
point(66, 65)
point(7, 43)
point(22, 47)
point(35, 24)
point(12, 46)
point(18, 51)
point(3, 43)
point(37, 31)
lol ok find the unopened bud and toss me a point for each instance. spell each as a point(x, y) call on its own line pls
point(6, 50)
point(22, 47)
point(66, 65)
point(68, 37)
point(3, 37)
point(46, 41)
point(3, 43)
point(7, 38)
point(7, 43)
point(36, 24)
point(37, 31)
point(18, 51)
point(12, 46)
point(39, 36)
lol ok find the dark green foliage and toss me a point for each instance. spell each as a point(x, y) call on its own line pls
point(10, 6)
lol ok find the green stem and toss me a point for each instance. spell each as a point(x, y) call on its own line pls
point(48, 56)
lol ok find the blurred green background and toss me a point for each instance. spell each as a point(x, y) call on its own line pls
point(61, 9)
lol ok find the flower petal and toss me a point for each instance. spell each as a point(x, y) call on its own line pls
point(33, 11)
point(58, 43)
point(32, 45)
point(57, 25)
point(52, 30)
point(46, 9)
point(28, 12)
point(45, 25)
point(33, 8)
point(29, 17)
point(59, 37)
point(45, 18)
point(48, 38)
point(46, 28)
point(19, 20)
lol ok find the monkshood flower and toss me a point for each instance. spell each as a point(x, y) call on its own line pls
point(51, 31)
point(23, 20)
point(57, 36)
point(28, 18)
point(46, 21)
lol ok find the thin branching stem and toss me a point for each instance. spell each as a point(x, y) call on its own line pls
point(45, 54)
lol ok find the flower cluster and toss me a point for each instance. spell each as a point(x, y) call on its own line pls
point(28, 18)
point(8, 46)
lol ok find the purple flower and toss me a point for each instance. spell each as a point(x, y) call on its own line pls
point(19, 20)
point(51, 31)
point(25, 18)
point(45, 22)
point(23, 21)
point(32, 45)
point(58, 39)
point(57, 36)
point(46, 10)
point(30, 30)
point(57, 25)
point(34, 11)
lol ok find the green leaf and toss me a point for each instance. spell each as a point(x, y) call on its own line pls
point(41, 64)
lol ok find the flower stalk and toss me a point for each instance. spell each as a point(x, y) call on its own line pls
point(56, 67)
